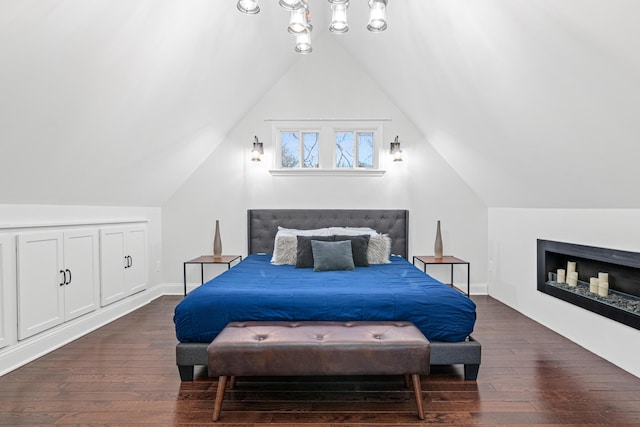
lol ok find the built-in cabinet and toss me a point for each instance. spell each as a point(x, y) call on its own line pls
point(61, 280)
point(62, 273)
point(4, 300)
point(123, 262)
point(57, 277)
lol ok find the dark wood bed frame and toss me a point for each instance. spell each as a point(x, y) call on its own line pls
point(262, 226)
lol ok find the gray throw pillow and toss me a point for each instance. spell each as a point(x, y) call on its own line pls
point(304, 255)
point(359, 246)
point(330, 256)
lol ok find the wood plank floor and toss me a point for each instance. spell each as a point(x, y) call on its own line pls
point(124, 374)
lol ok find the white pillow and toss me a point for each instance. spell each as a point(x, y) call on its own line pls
point(276, 257)
point(379, 249)
point(352, 231)
point(285, 250)
point(296, 232)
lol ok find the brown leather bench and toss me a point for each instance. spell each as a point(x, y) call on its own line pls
point(318, 348)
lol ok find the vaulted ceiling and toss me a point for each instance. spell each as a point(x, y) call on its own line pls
point(534, 103)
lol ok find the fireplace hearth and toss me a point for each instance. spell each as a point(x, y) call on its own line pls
point(622, 303)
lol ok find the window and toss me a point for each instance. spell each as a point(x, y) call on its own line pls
point(354, 149)
point(299, 149)
point(327, 146)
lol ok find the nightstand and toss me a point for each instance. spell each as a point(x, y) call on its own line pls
point(208, 259)
point(445, 260)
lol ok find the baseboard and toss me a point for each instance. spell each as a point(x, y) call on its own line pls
point(23, 352)
point(178, 288)
point(476, 289)
point(479, 289)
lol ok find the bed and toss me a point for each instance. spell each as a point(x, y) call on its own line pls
point(256, 289)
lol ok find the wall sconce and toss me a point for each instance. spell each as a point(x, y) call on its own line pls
point(396, 151)
point(257, 150)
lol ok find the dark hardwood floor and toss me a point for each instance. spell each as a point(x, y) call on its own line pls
point(124, 374)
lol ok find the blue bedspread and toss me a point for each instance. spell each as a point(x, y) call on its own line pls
point(257, 290)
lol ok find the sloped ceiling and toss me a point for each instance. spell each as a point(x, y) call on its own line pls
point(533, 103)
point(117, 102)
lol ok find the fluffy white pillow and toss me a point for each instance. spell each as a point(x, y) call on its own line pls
point(379, 249)
point(284, 250)
point(277, 257)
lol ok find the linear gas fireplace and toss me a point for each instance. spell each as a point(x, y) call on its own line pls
point(604, 281)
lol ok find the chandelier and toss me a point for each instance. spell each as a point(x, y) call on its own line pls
point(300, 19)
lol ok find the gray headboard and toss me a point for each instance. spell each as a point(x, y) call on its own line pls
point(263, 224)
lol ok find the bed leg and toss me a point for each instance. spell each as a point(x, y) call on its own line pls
point(471, 371)
point(186, 372)
point(407, 381)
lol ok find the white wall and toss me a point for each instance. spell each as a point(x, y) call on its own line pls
point(326, 84)
point(512, 272)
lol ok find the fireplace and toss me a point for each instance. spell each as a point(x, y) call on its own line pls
point(622, 303)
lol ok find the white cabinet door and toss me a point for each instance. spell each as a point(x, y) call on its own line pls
point(112, 265)
point(123, 262)
point(41, 279)
point(136, 273)
point(81, 267)
point(4, 284)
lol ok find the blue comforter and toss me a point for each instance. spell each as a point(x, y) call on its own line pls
point(257, 290)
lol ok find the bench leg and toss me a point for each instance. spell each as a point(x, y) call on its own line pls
point(222, 384)
point(417, 390)
point(232, 383)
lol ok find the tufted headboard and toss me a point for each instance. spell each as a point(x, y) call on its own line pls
point(263, 224)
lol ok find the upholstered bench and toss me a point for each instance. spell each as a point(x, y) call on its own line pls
point(318, 348)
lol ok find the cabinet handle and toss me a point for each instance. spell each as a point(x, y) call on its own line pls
point(69, 281)
point(126, 261)
point(130, 261)
point(64, 278)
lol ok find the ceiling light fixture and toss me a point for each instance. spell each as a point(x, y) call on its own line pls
point(377, 15)
point(339, 17)
point(248, 6)
point(300, 19)
point(291, 4)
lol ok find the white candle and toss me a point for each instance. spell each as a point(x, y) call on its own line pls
point(572, 278)
point(603, 277)
point(560, 275)
point(571, 267)
point(603, 289)
point(593, 285)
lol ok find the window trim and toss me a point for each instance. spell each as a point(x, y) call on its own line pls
point(327, 172)
point(327, 130)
